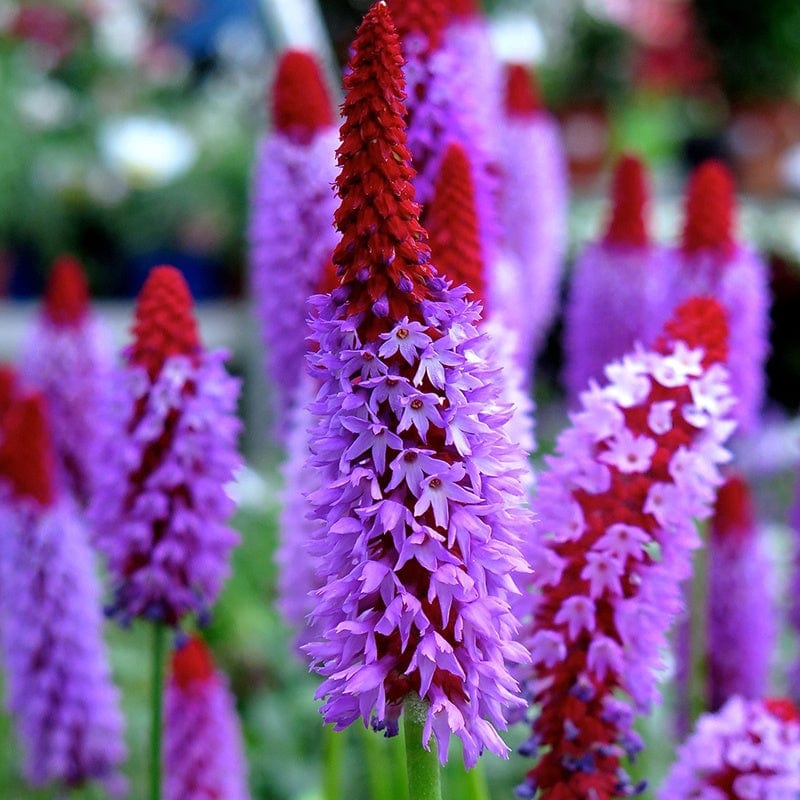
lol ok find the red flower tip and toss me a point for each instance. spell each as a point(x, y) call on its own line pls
point(710, 206)
point(464, 8)
point(523, 98)
point(27, 458)
point(453, 225)
point(733, 511)
point(382, 256)
point(8, 380)
point(164, 325)
point(328, 279)
point(629, 197)
point(782, 709)
point(192, 662)
point(66, 299)
point(301, 104)
point(421, 17)
point(699, 322)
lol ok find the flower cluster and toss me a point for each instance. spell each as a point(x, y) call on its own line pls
point(617, 505)
point(711, 261)
point(748, 749)
point(58, 680)
point(203, 748)
point(533, 203)
point(621, 286)
point(420, 500)
point(160, 511)
point(68, 357)
point(291, 233)
point(741, 606)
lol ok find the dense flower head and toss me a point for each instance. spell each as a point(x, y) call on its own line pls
point(710, 206)
point(301, 104)
point(620, 287)
point(617, 508)
point(203, 748)
point(522, 97)
point(290, 232)
point(161, 508)
point(68, 357)
point(748, 749)
point(58, 682)
point(66, 299)
point(421, 18)
point(464, 8)
point(420, 500)
point(741, 605)
point(629, 197)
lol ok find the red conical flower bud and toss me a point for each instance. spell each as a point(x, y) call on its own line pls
point(382, 257)
point(192, 662)
point(453, 224)
point(301, 104)
point(522, 91)
point(164, 324)
point(734, 517)
point(629, 196)
point(782, 708)
point(464, 8)
point(66, 300)
point(700, 322)
point(423, 17)
point(27, 459)
point(710, 204)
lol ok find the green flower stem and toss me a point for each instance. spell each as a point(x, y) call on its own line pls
point(422, 765)
point(477, 787)
point(159, 639)
point(332, 763)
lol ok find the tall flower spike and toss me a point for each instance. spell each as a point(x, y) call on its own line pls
point(621, 285)
point(203, 748)
point(533, 195)
point(711, 261)
point(59, 688)
point(617, 508)
point(291, 234)
point(420, 502)
point(160, 512)
point(741, 606)
point(68, 357)
point(749, 748)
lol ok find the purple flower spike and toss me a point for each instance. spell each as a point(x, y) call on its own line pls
point(58, 680)
point(69, 358)
point(291, 231)
point(421, 521)
point(203, 748)
point(160, 512)
point(533, 195)
point(621, 286)
point(741, 607)
point(748, 749)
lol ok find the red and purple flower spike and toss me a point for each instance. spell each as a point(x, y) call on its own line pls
point(203, 748)
point(747, 749)
point(533, 204)
point(291, 234)
point(160, 512)
point(741, 605)
point(621, 285)
point(420, 504)
point(58, 680)
point(711, 261)
point(68, 357)
point(617, 508)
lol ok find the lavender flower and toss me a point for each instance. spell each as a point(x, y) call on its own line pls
point(617, 504)
point(291, 231)
point(748, 749)
point(741, 608)
point(59, 688)
point(160, 511)
point(68, 357)
point(203, 748)
point(420, 502)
